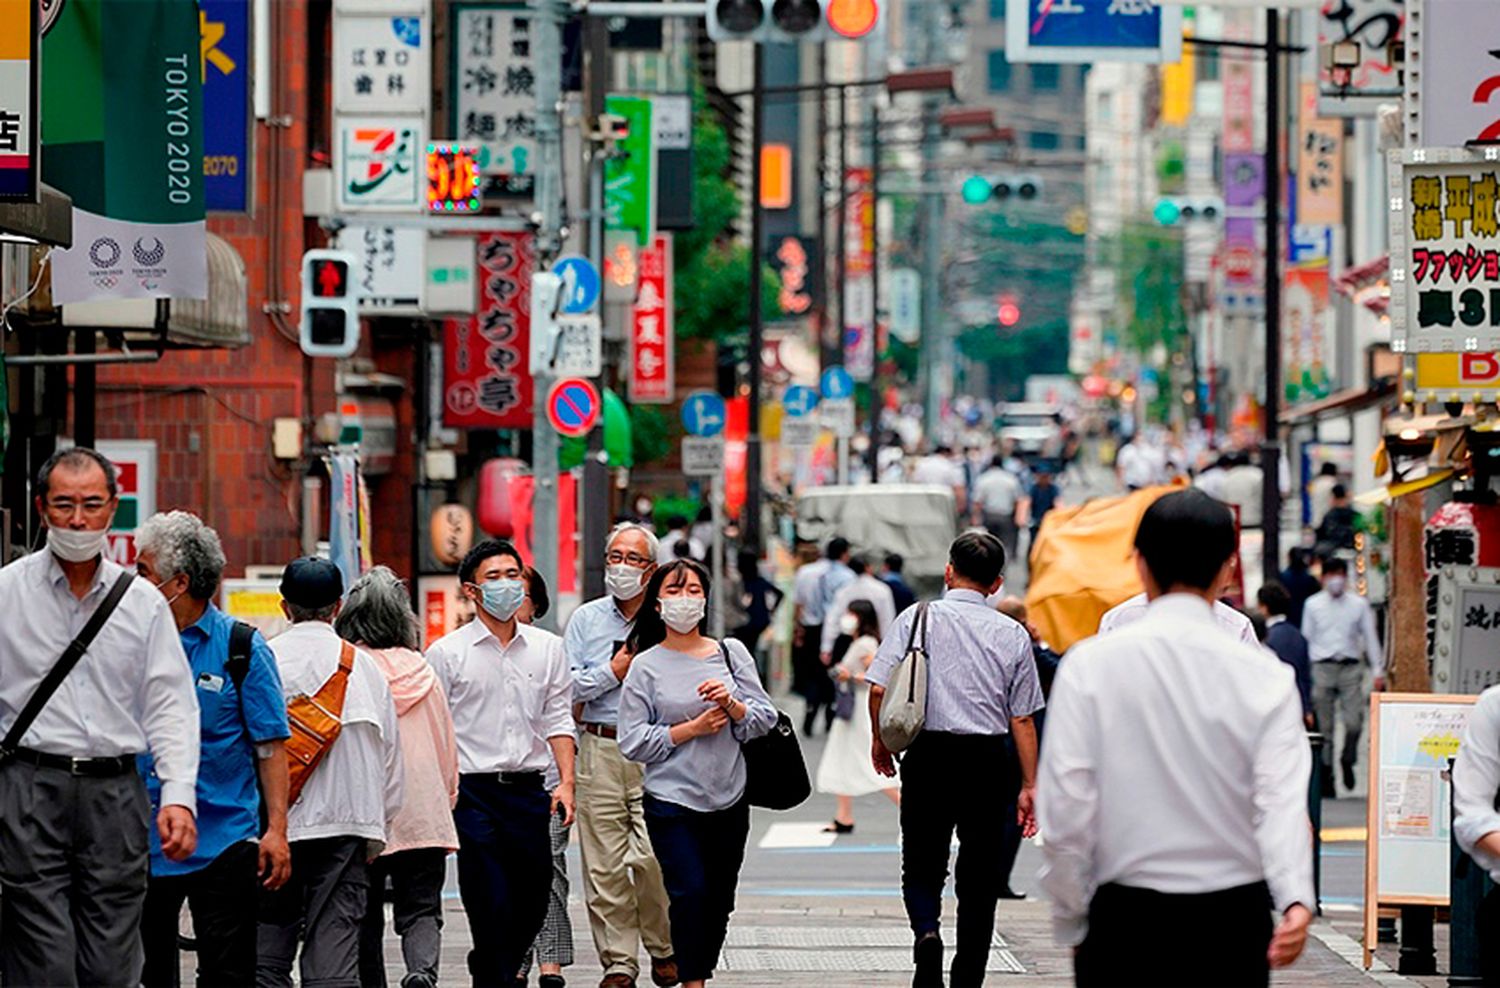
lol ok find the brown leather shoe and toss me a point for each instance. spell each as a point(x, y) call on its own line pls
point(664, 972)
point(617, 980)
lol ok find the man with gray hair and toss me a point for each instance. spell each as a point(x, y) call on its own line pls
point(622, 882)
point(243, 727)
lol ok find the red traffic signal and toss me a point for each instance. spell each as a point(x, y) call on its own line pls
point(1010, 312)
point(330, 278)
point(853, 18)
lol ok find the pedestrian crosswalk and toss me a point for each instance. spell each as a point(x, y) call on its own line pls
point(862, 949)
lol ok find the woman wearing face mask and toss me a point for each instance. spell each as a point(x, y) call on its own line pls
point(846, 770)
point(687, 704)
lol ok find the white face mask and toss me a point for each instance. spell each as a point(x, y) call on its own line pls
point(623, 581)
point(1335, 585)
point(73, 546)
point(849, 625)
point(683, 614)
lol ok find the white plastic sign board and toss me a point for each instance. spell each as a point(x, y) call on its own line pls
point(450, 281)
point(799, 433)
point(906, 305)
point(1452, 92)
point(838, 416)
point(381, 64)
point(702, 456)
point(389, 268)
point(379, 163)
point(1466, 646)
point(580, 352)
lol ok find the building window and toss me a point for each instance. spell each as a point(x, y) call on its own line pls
point(1045, 77)
point(1043, 141)
point(997, 10)
point(999, 74)
point(1080, 143)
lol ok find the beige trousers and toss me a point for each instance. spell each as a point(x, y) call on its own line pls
point(622, 883)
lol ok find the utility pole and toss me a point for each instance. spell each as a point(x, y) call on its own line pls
point(751, 521)
point(872, 454)
point(546, 34)
point(594, 498)
point(1270, 450)
point(933, 341)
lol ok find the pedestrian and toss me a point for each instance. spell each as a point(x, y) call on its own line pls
point(1286, 640)
point(702, 531)
point(1134, 465)
point(1300, 584)
point(377, 618)
point(622, 883)
point(981, 686)
point(1476, 821)
point(1339, 525)
point(1042, 496)
point(74, 813)
point(1341, 639)
point(865, 586)
point(510, 694)
point(998, 500)
point(553, 949)
point(941, 468)
point(1242, 486)
point(813, 598)
point(678, 543)
point(845, 769)
point(759, 598)
point(242, 729)
point(1320, 492)
point(339, 821)
point(1200, 820)
point(682, 691)
point(901, 592)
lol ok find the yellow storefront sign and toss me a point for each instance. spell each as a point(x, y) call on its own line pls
point(1456, 377)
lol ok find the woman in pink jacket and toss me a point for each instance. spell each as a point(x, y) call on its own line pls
point(377, 617)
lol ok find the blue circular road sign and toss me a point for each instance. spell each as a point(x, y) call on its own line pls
point(580, 283)
point(799, 400)
point(573, 406)
point(703, 413)
point(837, 383)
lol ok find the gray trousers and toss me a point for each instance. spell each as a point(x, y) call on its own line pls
point(323, 904)
point(416, 898)
point(73, 866)
point(554, 945)
point(1340, 684)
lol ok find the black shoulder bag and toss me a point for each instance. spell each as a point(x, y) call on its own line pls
point(64, 665)
point(775, 773)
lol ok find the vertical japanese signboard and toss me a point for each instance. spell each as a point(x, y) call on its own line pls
point(389, 270)
point(382, 84)
point(630, 177)
point(485, 384)
point(1092, 31)
point(652, 327)
point(1445, 250)
point(493, 87)
point(382, 65)
point(1373, 27)
point(792, 258)
point(1306, 336)
point(1244, 192)
point(20, 96)
point(1452, 73)
point(1320, 163)
point(227, 118)
point(859, 286)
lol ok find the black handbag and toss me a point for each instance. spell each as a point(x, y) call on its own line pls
point(775, 773)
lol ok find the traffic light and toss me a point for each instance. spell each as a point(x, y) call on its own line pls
point(791, 20)
point(1008, 311)
point(330, 304)
point(1171, 210)
point(980, 189)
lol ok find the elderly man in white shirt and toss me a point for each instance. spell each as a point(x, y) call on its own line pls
point(511, 694)
point(1200, 821)
point(1340, 630)
point(865, 586)
point(338, 823)
point(73, 811)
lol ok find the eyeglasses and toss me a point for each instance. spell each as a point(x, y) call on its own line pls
point(66, 507)
point(633, 559)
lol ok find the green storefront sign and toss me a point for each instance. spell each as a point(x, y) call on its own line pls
point(630, 179)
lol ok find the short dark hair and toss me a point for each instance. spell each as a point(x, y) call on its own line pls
point(682, 549)
point(838, 547)
point(859, 566)
point(483, 551)
point(676, 522)
point(1274, 598)
point(978, 557)
point(1328, 470)
point(1334, 564)
point(1340, 491)
point(1186, 537)
point(894, 562)
point(869, 621)
point(536, 589)
point(75, 458)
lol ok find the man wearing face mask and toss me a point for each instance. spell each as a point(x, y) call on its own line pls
point(622, 881)
point(511, 695)
point(1340, 630)
point(74, 813)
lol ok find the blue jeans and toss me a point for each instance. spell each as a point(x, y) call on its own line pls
point(700, 856)
point(504, 871)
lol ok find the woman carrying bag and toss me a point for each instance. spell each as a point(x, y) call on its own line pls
point(686, 706)
point(846, 770)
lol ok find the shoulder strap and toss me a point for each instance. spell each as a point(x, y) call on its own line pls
point(241, 642)
point(331, 696)
point(918, 623)
point(65, 663)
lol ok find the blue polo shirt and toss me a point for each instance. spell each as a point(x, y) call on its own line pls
point(230, 726)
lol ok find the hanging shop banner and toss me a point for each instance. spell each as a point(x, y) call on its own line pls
point(1239, 105)
point(1320, 163)
point(859, 220)
point(380, 164)
point(906, 305)
point(652, 327)
point(1244, 180)
point(381, 65)
point(493, 85)
point(485, 383)
point(1092, 31)
point(1242, 261)
point(1374, 26)
point(344, 543)
point(1445, 250)
point(1307, 334)
point(390, 268)
point(792, 258)
point(228, 119)
point(630, 178)
point(20, 99)
point(1452, 73)
point(124, 138)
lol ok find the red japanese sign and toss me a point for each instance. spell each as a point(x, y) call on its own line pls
point(651, 327)
point(485, 384)
point(859, 219)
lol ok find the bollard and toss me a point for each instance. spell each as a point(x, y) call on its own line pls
point(1315, 814)
point(1417, 953)
point(1467, 886)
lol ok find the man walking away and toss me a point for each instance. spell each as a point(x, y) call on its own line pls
point(981, 686)
point(998, 496)
point(74, 814)
point(622, 883)
point(339, 821)
point(809, 677)
point(1201, 821)
point(1337, 527)
point(864, 587)
point(1341, 637)
point(1283, 638)
point(243, 728)
point(901, 591)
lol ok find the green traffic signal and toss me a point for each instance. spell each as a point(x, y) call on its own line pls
point(976, 190)
point(1167, 212)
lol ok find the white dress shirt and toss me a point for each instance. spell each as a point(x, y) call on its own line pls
point(358, 786)
point(864, 587)
point(1132, 610)
point(1476, 781)
point(807, 589)
point(997, 492)
point(1342, 627)
point(506, 700)
point(1135, 466)
point(131, 692)
point(1175, 761)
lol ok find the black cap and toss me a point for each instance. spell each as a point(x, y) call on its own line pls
point(312, 583)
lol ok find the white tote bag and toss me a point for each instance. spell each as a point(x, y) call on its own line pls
point(903, 710)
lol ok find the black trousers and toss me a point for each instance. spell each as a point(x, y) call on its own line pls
point(1226, 933)
point(416, 898)
point(504, 871)
point(938, 796)
point(222, 898)
point(1489, 937)
point(700, 856)
point(1010, 828)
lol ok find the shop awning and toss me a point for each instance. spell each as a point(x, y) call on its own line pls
point(1368, 284)
point(49, 221)
point(1345, 402)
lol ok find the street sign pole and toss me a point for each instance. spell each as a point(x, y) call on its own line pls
point(750, 523)
point(716, 505)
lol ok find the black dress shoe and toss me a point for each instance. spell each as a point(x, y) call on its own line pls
point(1008, 893)
point(928, 954)
point(839, 828)
point(1349, 777)
point(551, 981)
